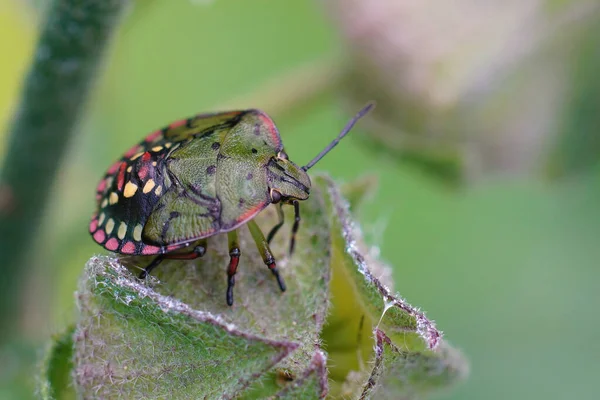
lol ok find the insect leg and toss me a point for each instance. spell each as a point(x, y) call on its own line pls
point(198, 251)
point(279, 224)
point(265, 252)
point(296, 204)
point(146, 271)
point(234, 254)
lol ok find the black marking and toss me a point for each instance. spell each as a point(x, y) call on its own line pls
point(295, 183)
point(249, 176)
point(211, 170)
point(254, 151)
point(165, 229)
point(215, 146)
point(273, 163)
point(257, 129)
point(241, 202)
point(221, 157)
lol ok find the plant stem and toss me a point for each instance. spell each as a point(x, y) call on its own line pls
point(69, 51)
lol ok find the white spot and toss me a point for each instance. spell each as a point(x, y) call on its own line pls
point(114, 198)
point(137, 232)
point(101, 219)
point(122, 230)
point(137, 155)
point(110, 224)
point(158, 190)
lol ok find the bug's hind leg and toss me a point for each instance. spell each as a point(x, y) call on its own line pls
point(265, 252)
point(198, 251)
point(234, 254)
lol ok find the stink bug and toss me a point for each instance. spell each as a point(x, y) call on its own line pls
point(199, 177)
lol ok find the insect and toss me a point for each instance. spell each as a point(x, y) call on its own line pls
point(198, 177)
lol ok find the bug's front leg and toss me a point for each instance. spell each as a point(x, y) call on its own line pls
point(274, 230)
point(265, 252)
point(296, 205)
point(198, 251)
point(234, 254)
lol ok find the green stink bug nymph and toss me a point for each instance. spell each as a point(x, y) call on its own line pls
point(199, 177)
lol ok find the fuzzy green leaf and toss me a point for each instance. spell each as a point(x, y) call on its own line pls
point(173, 335)
point(364, 309)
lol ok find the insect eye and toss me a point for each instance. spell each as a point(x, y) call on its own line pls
point(275, 196)
point(282, 155)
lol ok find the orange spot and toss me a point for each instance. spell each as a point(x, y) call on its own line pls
point(153, 136)
point(128, 248)
point(99, 236)
point(112, 244)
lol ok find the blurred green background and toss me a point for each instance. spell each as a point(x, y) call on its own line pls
point(507, 265)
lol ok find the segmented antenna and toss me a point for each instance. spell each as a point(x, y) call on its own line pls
point(343, 133)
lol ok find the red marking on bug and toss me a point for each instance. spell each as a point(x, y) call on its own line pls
point(143, 172)
point(147, 250)
point(99, 236)
point(272, 266)
point(177, 124)
point(121, 177)
point(113, 168)
point(153, 136)
point(128, 248)
point(93, 225)
point(248, 214)
point(132, 151)
point(98, 196)
point(101, 186)
point(146, 157)
point(173, 247)
point(271, 127)
point(112, 244)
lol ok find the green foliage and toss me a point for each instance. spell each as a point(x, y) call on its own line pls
point(173, 335)
point(68, 55)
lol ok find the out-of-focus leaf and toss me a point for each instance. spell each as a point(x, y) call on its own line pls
point(359, 191)
point(54, 380)
point(464, 89)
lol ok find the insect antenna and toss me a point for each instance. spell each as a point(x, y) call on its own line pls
point(343, 133)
